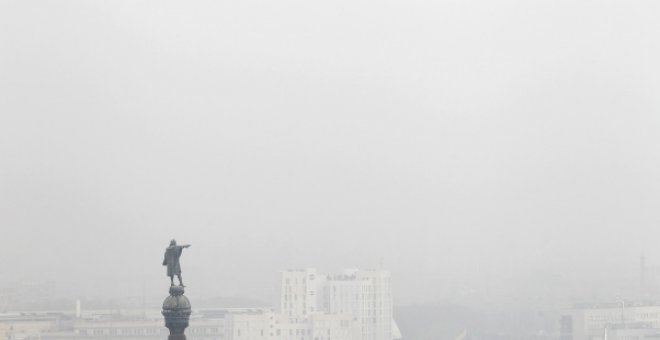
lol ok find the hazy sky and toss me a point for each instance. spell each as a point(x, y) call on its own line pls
point(449, 141)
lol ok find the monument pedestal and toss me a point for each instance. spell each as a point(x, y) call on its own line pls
point(176, 310)
point(176, 337)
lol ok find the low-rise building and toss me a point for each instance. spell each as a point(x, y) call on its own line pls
point(611, 321)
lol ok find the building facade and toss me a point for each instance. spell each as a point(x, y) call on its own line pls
point(356, 304)
point(611, 322)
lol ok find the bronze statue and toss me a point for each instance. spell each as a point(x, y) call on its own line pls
point(172, 255)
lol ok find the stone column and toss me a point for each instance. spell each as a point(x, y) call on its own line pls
point(176, 310)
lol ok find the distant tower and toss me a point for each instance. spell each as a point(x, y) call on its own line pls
point(642, 275)
point(78, 310)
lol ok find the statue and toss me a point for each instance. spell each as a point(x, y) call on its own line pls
point(171, 260)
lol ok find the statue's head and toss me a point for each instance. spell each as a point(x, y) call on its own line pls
point(173, 242)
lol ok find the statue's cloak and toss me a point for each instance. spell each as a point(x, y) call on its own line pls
point(171, 260)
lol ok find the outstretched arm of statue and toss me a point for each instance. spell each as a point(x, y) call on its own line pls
point(185, 246)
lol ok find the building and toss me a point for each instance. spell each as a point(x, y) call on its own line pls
point(30, 325)
point(366, 296)
point(356, 303)
point(299, 292)
point(353, 305)
point(103, 325)
point(611, 322)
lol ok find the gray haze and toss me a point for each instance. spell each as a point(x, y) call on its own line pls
point(452, 142)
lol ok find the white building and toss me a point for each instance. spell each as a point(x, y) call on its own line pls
point(611, 322)
point(300, 292)
point(366, 296)
point(633, 333)
point(356, 304)
point(253, 325)
point(278, 326)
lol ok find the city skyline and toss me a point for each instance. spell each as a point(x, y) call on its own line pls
point(499, 157)
point(352, 305)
